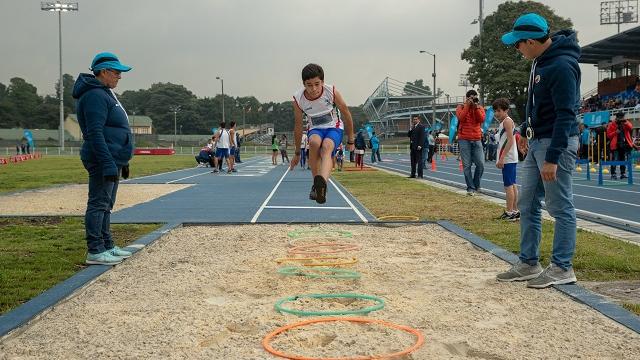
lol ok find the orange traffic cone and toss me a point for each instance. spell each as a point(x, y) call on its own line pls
point(460, 165)
point(433, 165)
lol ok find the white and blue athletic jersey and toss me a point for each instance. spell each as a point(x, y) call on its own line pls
point(321, 112)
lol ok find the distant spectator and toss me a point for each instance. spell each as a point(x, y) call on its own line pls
point(620, 143)
point(283, 148)
point(585, 140)
point(23, 148)
point(18, 149)
point(471, 116)
point(375, 147)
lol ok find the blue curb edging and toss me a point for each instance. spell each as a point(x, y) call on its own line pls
point(32, 308)
point(597, 302)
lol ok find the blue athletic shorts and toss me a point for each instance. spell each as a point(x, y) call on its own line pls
point(222, 153)
point(509, 174)
point(328, 133)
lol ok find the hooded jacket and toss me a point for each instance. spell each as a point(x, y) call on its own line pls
point(612, 133)
point(104, 124)
point(470, 119)
point(554, 93)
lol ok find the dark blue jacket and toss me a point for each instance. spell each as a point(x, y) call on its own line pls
point(554, 93)
point(104, 125)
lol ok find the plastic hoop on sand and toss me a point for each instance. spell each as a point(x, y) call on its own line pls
point(379, 305)
point(266, 342)
point(319, 261)
point(336, 248)
point(398, 218)
point(319, 273)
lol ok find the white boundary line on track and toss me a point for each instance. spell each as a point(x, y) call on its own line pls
point(170, 172)
point(188, 177)
point(355, 209)
point(266, 201)
point(309, 207)
point(500, 182)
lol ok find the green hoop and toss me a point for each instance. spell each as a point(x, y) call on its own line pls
point(379, 305)
point(305, 233)
point(329, 272)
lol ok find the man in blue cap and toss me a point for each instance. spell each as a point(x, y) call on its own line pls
point(551, 130)
point(105, 153)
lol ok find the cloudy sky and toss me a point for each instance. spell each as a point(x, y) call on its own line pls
point(259, 46)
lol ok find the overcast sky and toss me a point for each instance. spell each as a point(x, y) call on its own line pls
point(260, 46)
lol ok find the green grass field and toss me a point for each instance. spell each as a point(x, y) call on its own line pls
point(38, 253)
point(58, 170)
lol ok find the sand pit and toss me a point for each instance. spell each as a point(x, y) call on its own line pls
point(72, 199)
point(209, 293)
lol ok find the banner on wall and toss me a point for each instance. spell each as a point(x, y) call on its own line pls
point(488, 119)
point(453, 128)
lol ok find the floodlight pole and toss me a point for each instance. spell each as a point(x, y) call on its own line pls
point(480, 86)
point(222, 83)
point(60, 7)
point(434, 92)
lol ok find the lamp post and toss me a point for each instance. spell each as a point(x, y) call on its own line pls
point(60, 7)
point(244, 114)
point(175, 110)
point(433, 102)
point(479, 21)
point(222, 82)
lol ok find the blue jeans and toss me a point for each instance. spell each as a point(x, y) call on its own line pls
point(237, 154)
point(471, 152)
point(558, 197)
point(375, 152)
point(97, 219)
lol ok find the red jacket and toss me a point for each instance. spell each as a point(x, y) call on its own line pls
point(470, 122)
point(612, 135)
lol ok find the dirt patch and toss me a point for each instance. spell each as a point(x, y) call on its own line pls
point(619, 291)
point(72, 199)
point(31, 221)
point(209, 293)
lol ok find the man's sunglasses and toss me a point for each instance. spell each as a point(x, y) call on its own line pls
point(517, 44)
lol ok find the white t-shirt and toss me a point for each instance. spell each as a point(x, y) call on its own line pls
point(223, 139)
point(512, 156)
point(321, 112)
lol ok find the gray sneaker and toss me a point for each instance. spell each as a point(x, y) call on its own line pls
point(520, 272)
point(553, 275)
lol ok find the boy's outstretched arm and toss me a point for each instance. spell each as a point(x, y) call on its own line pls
point(297, 135)
point(348, 121)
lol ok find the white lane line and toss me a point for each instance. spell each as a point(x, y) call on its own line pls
point(355, 209)
point(188, 177)
point(266, 201)
point(309, 207)
point(500, 182)
point(584, 196)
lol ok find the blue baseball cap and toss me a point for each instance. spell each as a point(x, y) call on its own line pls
point(527, 26)
point(107, 60)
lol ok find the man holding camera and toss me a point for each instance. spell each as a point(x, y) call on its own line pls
point(470, 118)
point(620, 143)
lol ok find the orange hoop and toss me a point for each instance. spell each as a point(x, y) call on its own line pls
point(266, 342)
point(338, 247)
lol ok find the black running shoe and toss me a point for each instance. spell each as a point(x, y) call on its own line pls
point(312, 194)
point(320, 184)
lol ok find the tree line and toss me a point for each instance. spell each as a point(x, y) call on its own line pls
point(21, 106)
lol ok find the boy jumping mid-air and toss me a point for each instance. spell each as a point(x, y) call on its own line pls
point(319, 101)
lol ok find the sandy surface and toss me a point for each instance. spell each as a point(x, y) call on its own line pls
point(72, 199)
point(209, 292)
